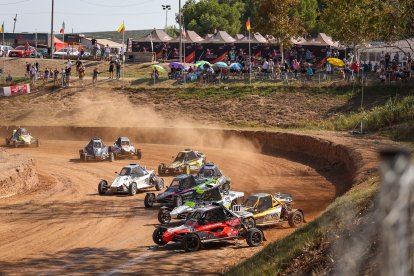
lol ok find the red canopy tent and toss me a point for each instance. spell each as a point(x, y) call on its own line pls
point(59, 44)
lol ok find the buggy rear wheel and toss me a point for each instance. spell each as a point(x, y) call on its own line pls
point(102, 187)
point(178, 201)
point(295, 218)
point(111, 157)
point(191, 242)
point(37, 143)
point(254, 237)
point(7, 142)
point(157, 236)
point(138, 154)
point(159, 184)
point(149, 200)
point(161, 168)
point(164, 216)
point(16, 145)
point(133, 189)
point(249, 223)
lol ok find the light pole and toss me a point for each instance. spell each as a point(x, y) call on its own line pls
point(52, 39)
point(166, 8)
point(181, 29)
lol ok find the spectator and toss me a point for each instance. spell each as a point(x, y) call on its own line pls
point(81, 73)
point(95, 75)
point(118, 69)
point(107, 52)
point(28, 66)
point(55, 76)
point(309, 73)
point(33, 74)
point(387, 60)
point(111, 69)
point(46, 75)
point(68, 71)
point(9, 79)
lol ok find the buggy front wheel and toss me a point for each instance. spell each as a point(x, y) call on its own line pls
point(254, 237)
point(191, 242)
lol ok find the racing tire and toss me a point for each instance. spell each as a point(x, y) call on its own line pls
point(111, 157)
point(83, 157)
point(226, 187)
point(249, 223)
point(37, 143)
point(254, 237)
point(157, 236)
point(295, 219)
point(149, 200)
point(178, 201)
point(102, 187)
point(138, 154)
point(161, 169)
point(164, 216)
point(159, 184)
point(191, 242)
point(16, 145)
point(133, 189)
point(7, 142)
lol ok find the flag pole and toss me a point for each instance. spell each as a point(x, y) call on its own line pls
point(250, 57)
point(122, 56)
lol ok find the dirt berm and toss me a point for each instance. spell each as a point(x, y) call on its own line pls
point(17, 173)
point(350, 156)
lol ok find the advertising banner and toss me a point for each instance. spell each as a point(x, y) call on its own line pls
point(15, 90)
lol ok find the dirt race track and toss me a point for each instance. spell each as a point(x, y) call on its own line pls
point(65, 227)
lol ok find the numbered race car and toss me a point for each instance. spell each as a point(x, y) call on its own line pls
point(274, 209)
point(210, 170)
point(131, 179)
point(207, 224)
point(181, 189)
point(96, 150)
point(202, 197)
point(187, 161)
point(21, 137)
point(122, 148)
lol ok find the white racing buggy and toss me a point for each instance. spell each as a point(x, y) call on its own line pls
point(122, 148)
point(21, 137)
point(201, 197)
point(131, 179)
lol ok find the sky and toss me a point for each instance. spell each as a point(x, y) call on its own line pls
point(86, 15)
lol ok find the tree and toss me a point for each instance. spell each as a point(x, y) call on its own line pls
point(276, 18)
point(172, 31)
point(307, 11)
point(206, 16)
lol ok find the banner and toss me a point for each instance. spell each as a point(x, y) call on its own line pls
point(15, 90)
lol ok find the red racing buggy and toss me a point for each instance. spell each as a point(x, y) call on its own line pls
point(208, 224)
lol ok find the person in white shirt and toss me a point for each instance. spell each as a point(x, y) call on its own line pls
point(265, 68)
point(107, 52)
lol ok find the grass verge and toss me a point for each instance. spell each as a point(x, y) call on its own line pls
point(276, 256)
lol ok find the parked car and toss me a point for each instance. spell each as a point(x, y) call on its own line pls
point(4, 50)
point(22, 51)
point(65, 52)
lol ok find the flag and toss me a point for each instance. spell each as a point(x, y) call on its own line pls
point(121, 28)
point(62, 30)
point(248, 25)
point(2, 28)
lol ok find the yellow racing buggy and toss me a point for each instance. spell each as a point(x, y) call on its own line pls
point(186, 162)
point(267, 209)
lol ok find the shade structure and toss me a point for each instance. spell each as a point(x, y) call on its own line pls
point(236, 66)
point(201, 63)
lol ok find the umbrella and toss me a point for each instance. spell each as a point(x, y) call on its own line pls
point(336, 62)
point(202, 63)
point(236, 66)
point(176, 65)
point(221, 64)
point(158, 67)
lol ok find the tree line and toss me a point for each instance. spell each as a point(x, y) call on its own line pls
point(349, 21)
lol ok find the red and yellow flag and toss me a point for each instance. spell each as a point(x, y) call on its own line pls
point(121, 29)
point(248, 25)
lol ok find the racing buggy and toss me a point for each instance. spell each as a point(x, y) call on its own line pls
point(208, 224)
point(131, 179)
point(267, 209)
point(122, 148)
point(181, 189)
point(210, 170)
point(21, 137)
point(96, 150)
point(187, 161)
point(202, 197)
